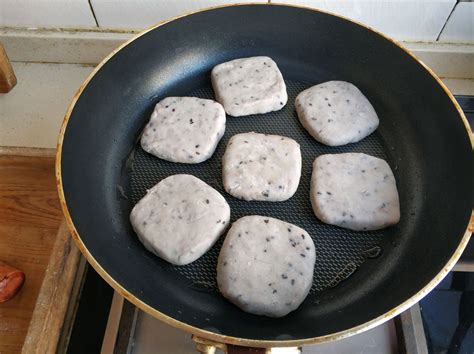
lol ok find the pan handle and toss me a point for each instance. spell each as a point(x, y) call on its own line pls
point(206, 346)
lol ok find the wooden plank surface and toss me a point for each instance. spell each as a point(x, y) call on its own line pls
point(29, 219)
point(54, 298)
point(7, 75)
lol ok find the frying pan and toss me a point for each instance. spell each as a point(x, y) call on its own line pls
point(361, 278)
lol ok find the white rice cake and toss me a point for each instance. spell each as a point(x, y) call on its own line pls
point(266, 265)
point(184, 129)
point(355, 191)
point(261, 167)
point(249, 86)
point(336, 113)
point(180, 218)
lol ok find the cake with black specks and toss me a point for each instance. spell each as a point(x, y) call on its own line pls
point(184, 129)
point(336, 113)
point(180, 218)
point(355, 191)
point(261, 167)
point(266, 265)
point(249, 86)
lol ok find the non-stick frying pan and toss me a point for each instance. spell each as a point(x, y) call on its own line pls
point(361, 278)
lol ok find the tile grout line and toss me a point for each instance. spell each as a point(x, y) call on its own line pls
point(446, 22)
point(93, 13)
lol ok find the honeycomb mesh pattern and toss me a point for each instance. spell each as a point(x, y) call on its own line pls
point(338, 251)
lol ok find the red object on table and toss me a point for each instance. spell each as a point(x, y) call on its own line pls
point(11, 281)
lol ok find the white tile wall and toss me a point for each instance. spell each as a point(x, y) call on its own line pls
point(69, 47)
point(406, 20)
point(420, 20)
point(31, 114)
point(451, 60)
point(46, 13)
point(460, 26)
point(145, 13)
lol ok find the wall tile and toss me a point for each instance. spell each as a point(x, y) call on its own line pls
point(451, 60)
point(46, 13)
point(71, 47)
point(145, 13)
point(460, 26)
point(401, 19)
point(32, 113)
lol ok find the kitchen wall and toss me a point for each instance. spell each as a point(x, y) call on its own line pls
point(406, 20)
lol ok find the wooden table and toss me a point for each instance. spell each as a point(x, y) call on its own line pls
point(30, 216)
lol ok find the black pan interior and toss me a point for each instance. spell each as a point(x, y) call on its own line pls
point(104, 171)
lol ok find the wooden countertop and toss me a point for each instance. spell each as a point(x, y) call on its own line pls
point(30, 215)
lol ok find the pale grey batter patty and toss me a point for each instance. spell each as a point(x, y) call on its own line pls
point(261, 167)
point(266, 265)
point(355, 191)
point(180, 218)
point(249, 86)
point(184, 129)
point(336, 113)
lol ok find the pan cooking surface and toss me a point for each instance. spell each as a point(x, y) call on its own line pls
point(338, 251)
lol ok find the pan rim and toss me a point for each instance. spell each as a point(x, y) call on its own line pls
point(220, 338)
